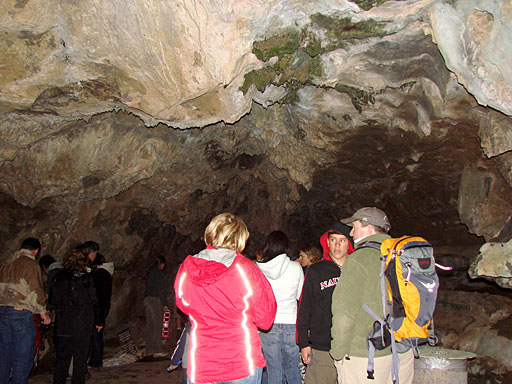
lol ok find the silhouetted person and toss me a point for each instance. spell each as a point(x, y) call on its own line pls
point(50, 267)
point(102, 273)
point(155, 303)
point(73, 297)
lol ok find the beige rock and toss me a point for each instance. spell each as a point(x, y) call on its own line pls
point(493, 262)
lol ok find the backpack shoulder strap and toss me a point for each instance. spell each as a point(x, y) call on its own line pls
point(369, 244)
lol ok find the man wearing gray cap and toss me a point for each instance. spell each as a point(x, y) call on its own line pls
point(351, 323)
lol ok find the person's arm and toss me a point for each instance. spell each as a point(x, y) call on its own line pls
point(347, 300)
point(88, 283)
point(177, 355)
point(304, 317)
point(161, 288)
point(300, 276)
point(178, 290)
point(263, 303)
point(305, 310)
point(34, 278)
point(103, 285)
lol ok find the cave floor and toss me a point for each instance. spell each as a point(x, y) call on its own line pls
point(138, 372)
point(118, 367)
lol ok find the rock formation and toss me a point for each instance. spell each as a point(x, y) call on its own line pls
point(133, 123)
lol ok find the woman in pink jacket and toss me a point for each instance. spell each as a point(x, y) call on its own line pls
point(226, 298)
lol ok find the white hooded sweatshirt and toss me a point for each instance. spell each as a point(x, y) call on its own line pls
point(286, 278)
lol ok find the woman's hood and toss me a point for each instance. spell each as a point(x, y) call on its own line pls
point(207, 266)
point(274, 268)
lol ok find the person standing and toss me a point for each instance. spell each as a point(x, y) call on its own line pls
point(73, 297)
point(286, 278)
point(227, 299)
point(21, 296)
point(314, 317)
point(351, 323)
point(155, 303)
point(92, 249)
point(49, 267)
point(102, 278)
point(102, 273)
point(308, 255)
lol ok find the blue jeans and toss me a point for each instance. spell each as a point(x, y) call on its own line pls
point(17, 343)
point(253, 379)
point(282, 355)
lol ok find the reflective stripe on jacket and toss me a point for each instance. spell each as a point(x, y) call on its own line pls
point(226, 301)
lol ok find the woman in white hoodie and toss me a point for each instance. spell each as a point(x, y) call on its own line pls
point(286, 278)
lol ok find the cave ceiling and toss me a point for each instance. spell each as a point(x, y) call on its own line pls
point(135, 123)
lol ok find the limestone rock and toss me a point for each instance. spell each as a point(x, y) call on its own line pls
point(494, 262)
point(475, 322)
point(496, 134)
point(485, 202)
point(474, 38)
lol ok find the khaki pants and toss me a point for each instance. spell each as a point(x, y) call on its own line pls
point(153, 334)
point(322, 371)
point(353, 371)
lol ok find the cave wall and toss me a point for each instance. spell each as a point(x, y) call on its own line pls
point(134, 125)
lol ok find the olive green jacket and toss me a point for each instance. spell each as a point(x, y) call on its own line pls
point(359, 284)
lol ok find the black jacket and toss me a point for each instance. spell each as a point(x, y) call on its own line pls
point(314, 317)
point(73, 296)
point(155, 285)
point(103, 283)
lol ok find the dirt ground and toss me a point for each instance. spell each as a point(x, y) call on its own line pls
point(118, 367)
point(140, 373)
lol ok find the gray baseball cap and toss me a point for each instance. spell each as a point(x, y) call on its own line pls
point(370, 215)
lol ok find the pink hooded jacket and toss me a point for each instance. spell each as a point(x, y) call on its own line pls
point(227, 299)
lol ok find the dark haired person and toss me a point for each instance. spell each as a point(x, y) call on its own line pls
point(21, 296)
point(155, 303)
point(50, 267)
point(91, 248)
point(73, 297)
point(286, 277)
point(314, 315)
point(102, 273)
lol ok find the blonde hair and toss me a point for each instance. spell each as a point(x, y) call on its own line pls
point(226, 231)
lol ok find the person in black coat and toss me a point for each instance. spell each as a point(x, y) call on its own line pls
point(73, 297)
point(102, 279)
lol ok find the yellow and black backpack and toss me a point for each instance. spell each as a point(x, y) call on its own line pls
point(408, 265)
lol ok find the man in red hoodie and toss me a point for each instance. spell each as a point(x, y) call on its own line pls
point(314, 316)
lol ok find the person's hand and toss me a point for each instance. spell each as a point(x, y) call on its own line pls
point(46, 318)
point(305, 353)
point(99, 327)
point(340, 362)
point(172, 367)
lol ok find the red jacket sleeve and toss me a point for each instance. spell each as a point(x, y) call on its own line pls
point(263, 302)
point(178, 285)
point(304, 311)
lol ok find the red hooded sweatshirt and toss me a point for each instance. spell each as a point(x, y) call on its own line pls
point(227, 298)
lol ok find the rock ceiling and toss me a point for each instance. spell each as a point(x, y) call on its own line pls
point(135, 122)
